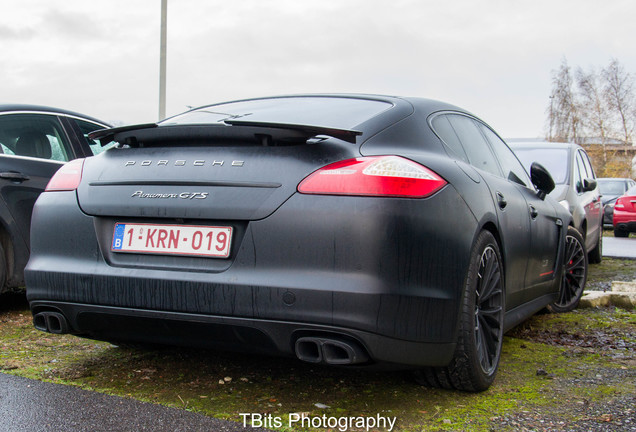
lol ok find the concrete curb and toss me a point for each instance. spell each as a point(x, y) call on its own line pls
point(624, 287)
point(623, 295)
point(603, 299)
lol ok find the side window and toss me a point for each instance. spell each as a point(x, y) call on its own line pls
point(579, 172)
point(88, 127)
point(588, 166)
point(445, 131)
point(474, 143)
point(513, 170)
point(34, 135)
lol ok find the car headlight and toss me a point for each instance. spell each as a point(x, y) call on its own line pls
point(565, 204)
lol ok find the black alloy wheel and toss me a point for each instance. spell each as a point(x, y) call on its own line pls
point(574, 273)
point(489, 310)
point(481, 319)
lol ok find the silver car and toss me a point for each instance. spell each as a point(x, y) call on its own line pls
point(576, 186)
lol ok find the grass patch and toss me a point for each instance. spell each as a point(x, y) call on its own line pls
point(609, 232)
point(600, 276)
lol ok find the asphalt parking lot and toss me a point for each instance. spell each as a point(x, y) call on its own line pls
point(31, 405)
point(619, 247)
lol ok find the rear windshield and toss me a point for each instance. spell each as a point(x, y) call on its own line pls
point(334, 112)
point(554, 160)
point(612, 187)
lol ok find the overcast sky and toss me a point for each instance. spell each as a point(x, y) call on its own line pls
point(492, 57)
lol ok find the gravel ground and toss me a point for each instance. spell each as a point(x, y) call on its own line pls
point(617, 415)
point(611, 341)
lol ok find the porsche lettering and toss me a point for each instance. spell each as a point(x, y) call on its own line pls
point(181, 162)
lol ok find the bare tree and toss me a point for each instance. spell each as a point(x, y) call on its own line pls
point(598, 107)
point(593, 106)
point(563, 112)
point(619, 93)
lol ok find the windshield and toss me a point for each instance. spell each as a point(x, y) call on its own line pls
point(554, 160)
point(334, 112)
point(612, 187)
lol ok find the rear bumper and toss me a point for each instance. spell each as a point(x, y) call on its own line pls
point(626, 226)
point(388, 274)
point(625, 221)
point(116, 324)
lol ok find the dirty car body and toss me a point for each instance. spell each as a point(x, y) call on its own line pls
point(341, 229)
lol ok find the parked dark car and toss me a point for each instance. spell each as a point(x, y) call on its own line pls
point(35, 142)
point(611, 189)
point(625, 214)
point(576, 187)
point(340, 229)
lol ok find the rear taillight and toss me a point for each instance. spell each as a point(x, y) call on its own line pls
point(619, 204)
point(67, 178)
point(386, 176)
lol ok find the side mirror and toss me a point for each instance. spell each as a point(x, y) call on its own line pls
point(589, 185)
point(541, 179)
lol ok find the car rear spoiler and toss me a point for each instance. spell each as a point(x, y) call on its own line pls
point(262, 132)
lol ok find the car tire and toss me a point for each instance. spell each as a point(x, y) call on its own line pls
point(596, 255)
point(620, 233)
point(574, 274)
point(481, 320)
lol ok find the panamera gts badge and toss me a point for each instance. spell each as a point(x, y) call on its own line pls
point(182, 195)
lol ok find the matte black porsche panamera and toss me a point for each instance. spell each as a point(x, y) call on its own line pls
point(341, 229)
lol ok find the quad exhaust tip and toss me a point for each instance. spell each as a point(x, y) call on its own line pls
point(51, 322)
point(330, 351)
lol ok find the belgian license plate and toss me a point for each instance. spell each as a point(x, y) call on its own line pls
point(194, 240)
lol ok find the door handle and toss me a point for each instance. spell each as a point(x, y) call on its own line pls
point(533, 212)
point(501, 200)
point(14, 176)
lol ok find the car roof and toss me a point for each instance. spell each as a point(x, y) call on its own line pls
point(401, 108)
point(421, 103)
point(609, 179)
point(5, 108)
point(542, 145)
